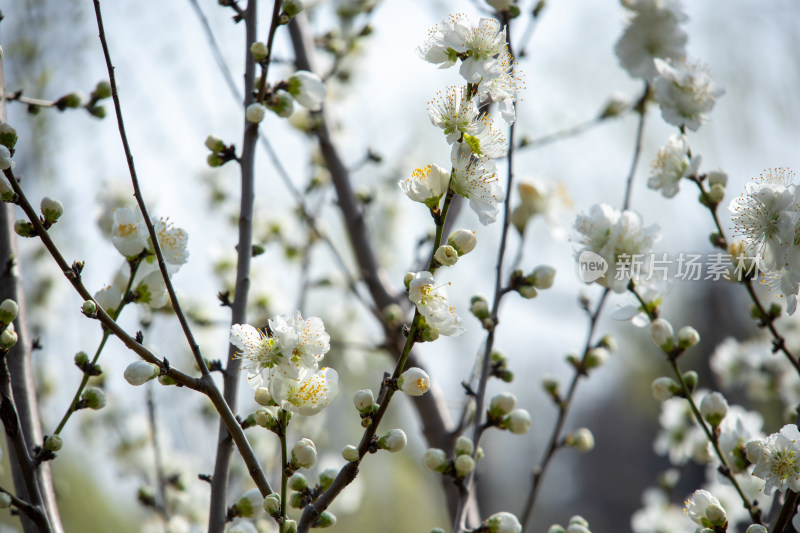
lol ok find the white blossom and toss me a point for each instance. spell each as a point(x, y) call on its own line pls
point(685, 92)
point(475, 178)
point(307, 395)
point(454, 112)
point(128, 233)
point(704, 509)
point(308, 89)
point(672, 164)
point(414, 382)
point(777, 459)
point(426, 185)
point(432, 303)
point(653, 32)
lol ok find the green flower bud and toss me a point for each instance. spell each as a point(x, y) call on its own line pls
point(479, 307)
point(214, 143)
point(464, 464)
point(290, 526)
point(291, 8)
point(71, 100)
point(89, 308)
point(691, 378)
point(23, 228)
point(662, 334)
point(272, 503)
point(98, 111)
point(596, 357)
point(53, 443)
point(81, 359)
point(214, 160)
point(687, 337)
point(350, 453)
point(166, 380)
point(326, 519)
point(259, 51)
point(364, 401)
point(265, 418)
point(250, 505)
point(51, 209)
point(281, 103)
point(464, 446)
point(102, 90)
point(527, 291)
point(298, 482)
point(8, 136)
point(94, 398)
point(5, 500)
point(296, 500)
point(581, 439)
point(8, 311)
point(326, 478)
point(501, 404)
point(8, 338)
point(435, 460)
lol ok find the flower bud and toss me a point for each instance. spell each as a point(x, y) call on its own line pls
point(393, 441)
point(691, 378)
point(350, 453)
point(464, 464)
point(298, 482)
point(23, 228)
point(8, 139)
point(53, 443)
point(81, 359)
point(98, 111)
point(140, 372)
point(214, 143)
point(51, 209)
point(446, 255)
point(664, 388)
point(263, 397)
point(716, 193)
point(434, 459)
point(292, 8)
point(518, 421)
point(687, 337)
point(717, 177)
point(464, 446)
point(250, 505)
point(214, 160)
point(662, 334)
point(8, 311)
point(364, 401)
point(756, 528)
point(577, 528)
point(555, 528)
point(436, 530)
point(326, 518)
point(304, 454)
point(5, 500)
point(581, 439)
point(5, 158)
point(89, 308)
point(265, 418)
point(596, 357)
point(503, 523)
point(281, 103)
point(272, 503)
point(166, 380)
point(7, 194)
point(479, 307)
point(72, 100)
point(414, 382)
point(326, 478)
point(8, 338)
point(551, 385)
point(501, 5)
point(255, 113)
point(102, 90)
point(407, 279)
point(94, 398)
point(528, 292)
point(714, 407)
point(259, 51)
point(543, 277)
point(501, 404)
point(463, 241)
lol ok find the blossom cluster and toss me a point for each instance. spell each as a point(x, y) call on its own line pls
point(131, 239)
point(287, 359)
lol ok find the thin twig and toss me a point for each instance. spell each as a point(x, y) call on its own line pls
point(161, 478)
point(641, 108)
point(563, 411)
point(219, 483)
point(140, 199)
point(204, 384)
